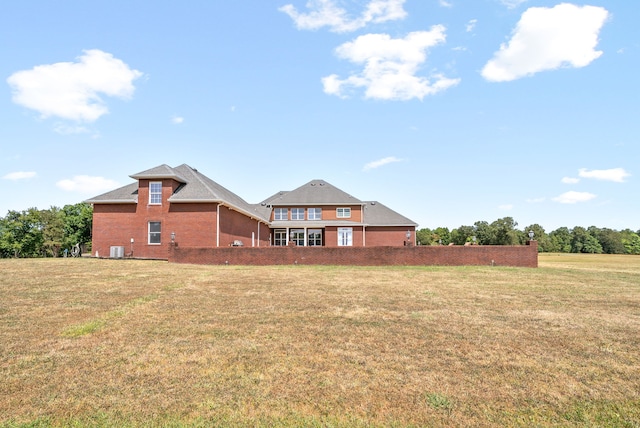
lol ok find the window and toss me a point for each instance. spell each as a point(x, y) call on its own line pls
point(155, 228)
point(297, 213)
point(314, 238)
point(280, 237)
point(345, 237)
point(343, 212)
point(280, 214)
point(297, 236)
point(314, 213)
point(155, 193)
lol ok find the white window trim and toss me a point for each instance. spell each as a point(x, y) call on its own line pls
point(343, 212)
point(295, 213)
point(149, 233)
point(312, 243)
point(313, 211)
point(301, 236)
point(151, 194)
point(280, 211)
point(280, 237)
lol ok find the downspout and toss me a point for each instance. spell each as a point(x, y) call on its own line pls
point(218, 226)
point(364, 239)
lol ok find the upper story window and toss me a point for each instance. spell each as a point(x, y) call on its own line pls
point(314, 213)
point(155, 193)
point(280, 214)
point(297, 213)
point(343, 212)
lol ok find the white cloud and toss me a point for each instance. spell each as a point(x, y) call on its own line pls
point(87, 184)
point(546, 39)
point(617, 175)
point(177, 120)
point(570, 180)
point(574, 197)
point(512, 4)
point(505, 207)
point(445, 3)
point(381, 162)
point(535, 200)
point(326, 13)
point(471, 25)
point(65, 129)
point(390, 66)
point(19, 175)
point(71, 90)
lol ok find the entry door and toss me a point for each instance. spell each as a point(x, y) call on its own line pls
point(345, 237)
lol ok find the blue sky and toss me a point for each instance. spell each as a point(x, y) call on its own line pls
point(448, 111)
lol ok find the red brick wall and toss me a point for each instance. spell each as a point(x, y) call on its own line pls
point(521, 256)
point(193, 223)
point(234, 225)
point(115, 225)
point(388, 236)
point(331, 236)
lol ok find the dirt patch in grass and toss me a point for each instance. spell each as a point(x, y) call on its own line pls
point(143, 343)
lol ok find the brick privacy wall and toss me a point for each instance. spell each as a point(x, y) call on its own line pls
point(485, 255)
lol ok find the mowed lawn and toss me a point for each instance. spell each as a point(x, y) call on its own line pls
point(87, 342)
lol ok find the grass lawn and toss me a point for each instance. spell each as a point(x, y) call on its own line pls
point(86, 342)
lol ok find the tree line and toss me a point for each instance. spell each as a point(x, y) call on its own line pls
point(562, 240)
point(45, 233)
point(48, 233)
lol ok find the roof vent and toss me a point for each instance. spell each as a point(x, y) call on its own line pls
point(373, 202)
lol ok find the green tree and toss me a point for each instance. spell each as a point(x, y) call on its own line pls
point(22, 234)
point(52, 231)
point(78, 220)
point(505, 232)
point(539, 234)
point(462, 234)
point(610, 240)
point(631, 241)
point(424, 236)
point(561, 240)
point(442, 235)
point(484, 233)
point(583, 242)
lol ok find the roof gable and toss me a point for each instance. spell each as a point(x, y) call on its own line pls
point(315, 192)
point(158, 172)
point(195, 188)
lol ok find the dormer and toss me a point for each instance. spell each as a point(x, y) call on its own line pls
point(156, 185)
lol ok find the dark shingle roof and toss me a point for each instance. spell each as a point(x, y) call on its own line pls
point(315, 192)
point(195, 188)
point(162, 171)
point(124, 195)
point(377, 214)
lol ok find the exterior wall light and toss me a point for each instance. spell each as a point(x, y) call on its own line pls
point(173, 237)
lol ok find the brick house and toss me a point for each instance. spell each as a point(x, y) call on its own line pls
point(181, 205)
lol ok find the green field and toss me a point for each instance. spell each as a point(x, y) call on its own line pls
point(87, 342)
